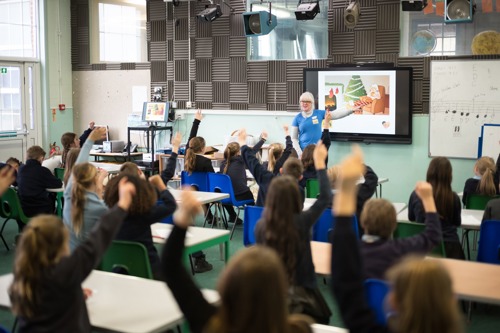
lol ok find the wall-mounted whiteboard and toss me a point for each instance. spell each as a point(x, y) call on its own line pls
point(490, 140)
point(465, 94)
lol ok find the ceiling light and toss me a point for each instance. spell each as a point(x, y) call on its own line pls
point(259, 23)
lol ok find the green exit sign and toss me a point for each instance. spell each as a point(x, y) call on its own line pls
point(3, 70)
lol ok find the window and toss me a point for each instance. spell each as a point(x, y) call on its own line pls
point(119, 34)
point(291, 39)
point(19, 29)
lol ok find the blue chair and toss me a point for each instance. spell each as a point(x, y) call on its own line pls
point(375, 293)
point(221, 183)
point(325, 224)
point(489, 242)
point(199, 180)
point(250, 219)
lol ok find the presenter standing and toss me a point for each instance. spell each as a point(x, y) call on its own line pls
point(306, 126)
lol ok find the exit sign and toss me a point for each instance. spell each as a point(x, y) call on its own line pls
point(3, 70)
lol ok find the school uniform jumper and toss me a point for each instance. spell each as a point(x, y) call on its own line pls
point(61, 306)
point(492, 210)
point(94, 206)
point(236, 171)
point(380, 255)
point(33, 179)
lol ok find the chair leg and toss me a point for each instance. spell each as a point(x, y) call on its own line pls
point(1, 234)
point(14, 326)
point(191, 264)
point(234, 223)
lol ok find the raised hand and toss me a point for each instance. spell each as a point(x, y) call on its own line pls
point(242, 137)
point(424, 192)
point(189, 207)
point(198, 115)
point(319, 155)
point(286, 129)
point(157, 182)
point(98, 133)
point(263, 135)
point(176, 142)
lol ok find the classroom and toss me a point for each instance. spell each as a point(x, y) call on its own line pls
point(173, 55)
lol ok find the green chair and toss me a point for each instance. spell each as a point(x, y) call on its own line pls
point(478, 201)
point(312, 188)
point(11, 210)
point(131, 257)
point(408, 229)
point(59, 173)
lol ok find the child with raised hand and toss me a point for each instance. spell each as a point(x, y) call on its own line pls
point(83, 192)
point(378, 250)
point(252, 287)
point(285, 227)
point(483, 182)
point(277, 154)
point(292, 167)
point(169, 172)
point(234, 166)
point(46, 292)
point(422, 294)
point(143, 212)
point(70, 140)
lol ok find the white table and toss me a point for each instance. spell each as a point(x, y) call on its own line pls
point(203, 197)
point(399, 207)
point(197, 238)
point(318, 328)
point(122, 303)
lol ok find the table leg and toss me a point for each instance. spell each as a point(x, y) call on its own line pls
point(226, 252)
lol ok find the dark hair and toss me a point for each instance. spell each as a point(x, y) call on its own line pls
point(277, 228)
point(196, 145)
point(129, 168)
point(307, 156)
point(14, 160)
point(144, 199)
point(35, 152)
point(439, 175)
point(293, 167)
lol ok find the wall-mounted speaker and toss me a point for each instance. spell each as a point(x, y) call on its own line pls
point(458, 11)
point(351, 15)
point(413, 5)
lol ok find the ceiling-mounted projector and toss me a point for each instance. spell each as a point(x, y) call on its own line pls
point(413, 5)
point(307, 10)
point(351, 15)
point(458, 11)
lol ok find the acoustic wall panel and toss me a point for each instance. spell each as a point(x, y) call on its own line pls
point(181, 70)
point(143, 66)
point(181, 49)
point(236, 24)
point(365, 41)
point(158, 50)
point(238, 93)
point(203, 29)
point(220, 90)
point(221, 106)
point(295, 70)
point(170, 26)
point(156, 10)
point(113, 67)
point(417, 91)
point(387, 57)
point(203, 91)
point(98, 67)
point(386, 16)
point(317, 63)
point(180, 11)
point(158, 71)
point(293, 92)
point(203, 70)
point(158, 31)
point(368, 17)
point(238, 72)
point(338, 25)
point(192, 70)
point(277, 71)
point(181, 31)
point(343, 43)
point(127, 66)
point(204, 105)
point(426, 90)
point(220, 27)
point(387, 41)
point(238, 106)
point(343, 58)
point(277, 93)
point(238, 46)
point(257, 93)
point(258, 107)
point(181, 90)
point(170, 50)
point(257, 71)
point(221, 46)
point(203, 47)
point(417, 63)
point(170, 70)
point(220, 69)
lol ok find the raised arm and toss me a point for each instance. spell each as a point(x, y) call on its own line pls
point(347, 275)
point(294, 134)
point(198, 116)
point(86, 133)
point(260, 173)
point(262, 140)
point(169, 172)
point(286, 153)
point(190, 299)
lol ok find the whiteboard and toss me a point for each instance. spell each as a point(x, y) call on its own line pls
point(490, 143)
point(465, 94)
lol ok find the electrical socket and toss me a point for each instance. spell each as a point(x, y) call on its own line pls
point(189, 105)
point(179, 115)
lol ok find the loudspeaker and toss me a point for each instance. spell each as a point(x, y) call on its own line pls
point(259, 23)
point(458, 11)
point(351, 15)
point(413, 5)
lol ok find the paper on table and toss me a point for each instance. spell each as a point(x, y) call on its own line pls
point(470, 219)
point(164, 233)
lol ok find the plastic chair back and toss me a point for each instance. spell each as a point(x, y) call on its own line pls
point(250, 219)
point(199, 180)
point(167, 220)
point(59, 173)
point(489, 242)
point(478, 201)
point(220, 183)
point(11, 206)
point(375, 292)
point(409, 229)
point(131, 257)
point(325, 224)
point(312, 188)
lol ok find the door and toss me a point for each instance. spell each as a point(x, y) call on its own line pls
point(19, 109)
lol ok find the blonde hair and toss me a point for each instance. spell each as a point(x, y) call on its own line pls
point(70, 162)
point(423, 295)
point(196, 146)
point(44, 241)
point(275, 151)
point(84, 176)
point(307, 96)
point(231, 150)
point(378, 218)
point(486, 167)
point(253, 292)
